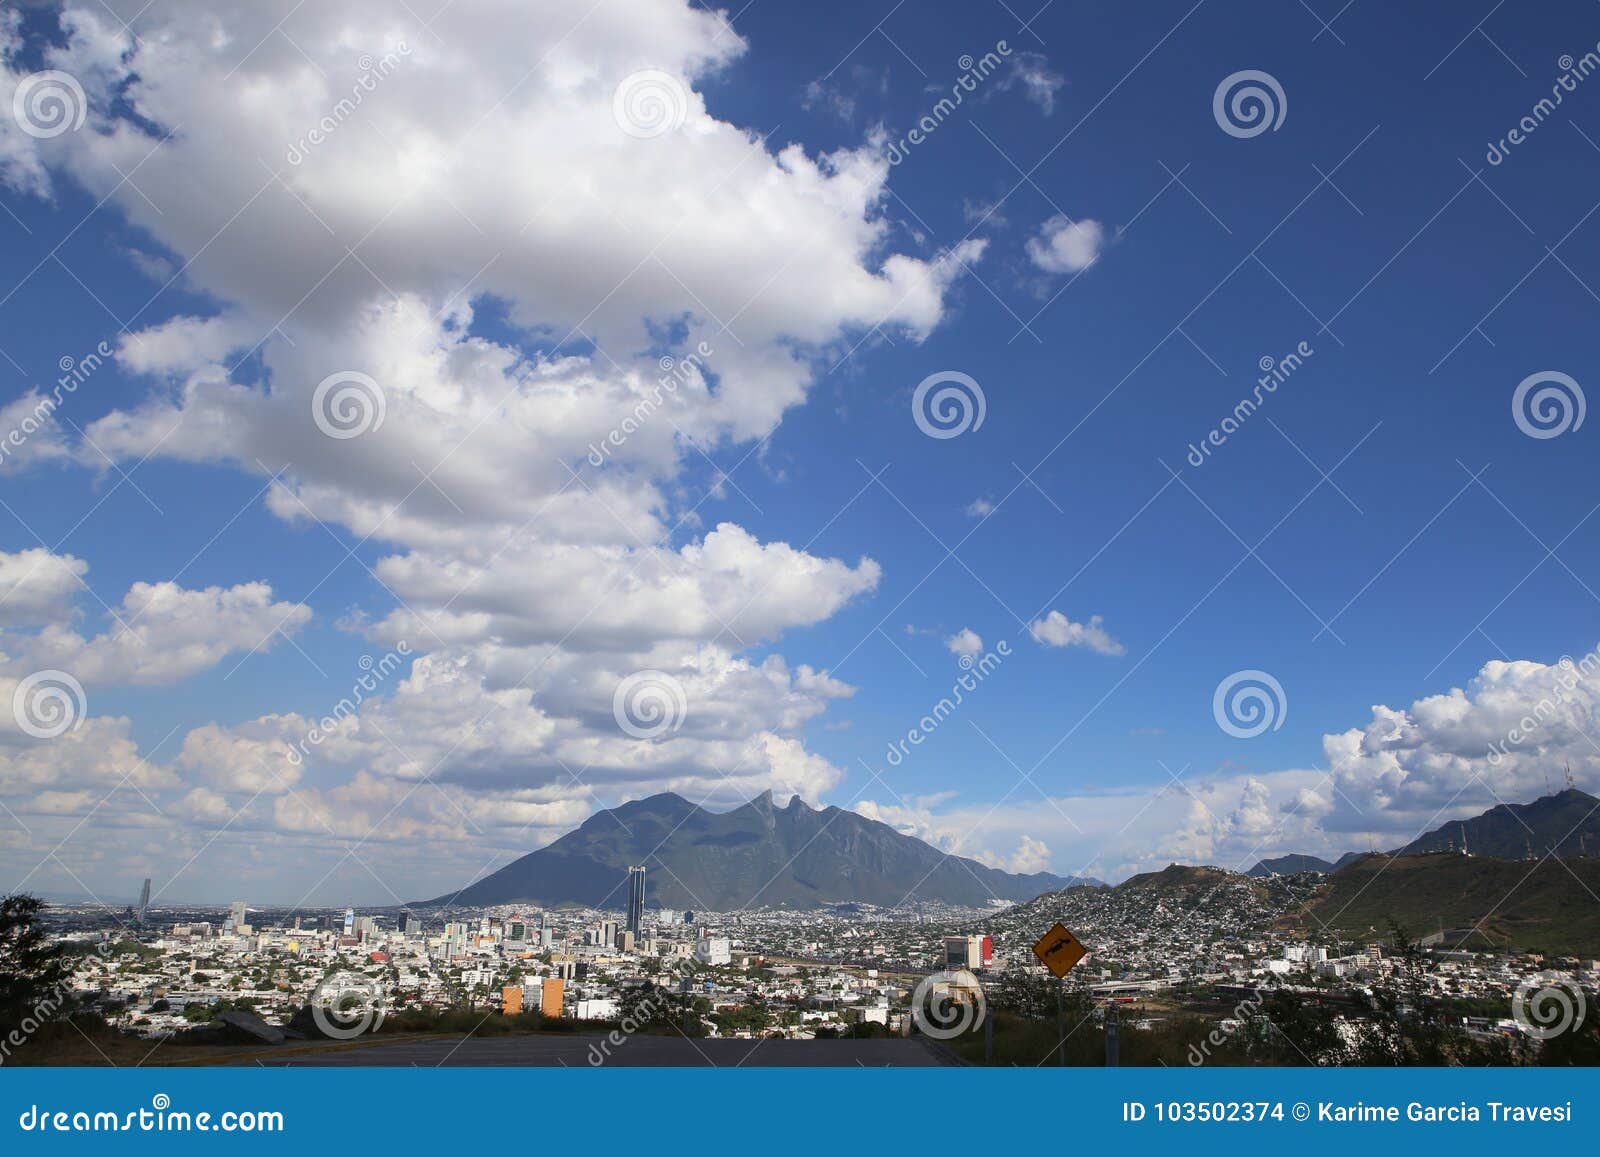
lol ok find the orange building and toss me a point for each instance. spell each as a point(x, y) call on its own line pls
point(550, 1001)
point(511, 1001)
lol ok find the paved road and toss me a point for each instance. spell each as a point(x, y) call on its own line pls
point(582, 1051)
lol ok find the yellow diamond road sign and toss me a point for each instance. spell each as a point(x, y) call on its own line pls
point(1058, 950)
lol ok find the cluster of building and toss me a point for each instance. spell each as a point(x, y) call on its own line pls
point(749, 973)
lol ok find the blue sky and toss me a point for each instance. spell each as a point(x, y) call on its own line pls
point(1369, 225)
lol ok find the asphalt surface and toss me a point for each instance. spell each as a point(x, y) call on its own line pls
point(645, 1051)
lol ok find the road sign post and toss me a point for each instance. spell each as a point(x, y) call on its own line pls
point(1059, 950)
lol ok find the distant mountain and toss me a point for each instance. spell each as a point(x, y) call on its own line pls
point(1508, 889)
point(1567, 823)
point(1178, 896)
point(1176, 883)
point(1178, 880)
point(1547, 906)
point(758, 855)
point(1289, 866)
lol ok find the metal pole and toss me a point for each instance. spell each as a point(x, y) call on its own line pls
point(1113, 1036)
point(1061, 1022)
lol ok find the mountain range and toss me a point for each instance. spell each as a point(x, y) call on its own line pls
point(766, 855)
point(1566, 823)
point(757, 855)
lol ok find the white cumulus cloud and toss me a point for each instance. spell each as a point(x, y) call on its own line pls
point(1056, 630)
point(965, 643)
point(1066, 246)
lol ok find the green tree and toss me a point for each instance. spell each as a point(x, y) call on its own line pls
point(33, 971)
point(653, 1009)
point(1580, 1043)
point(1032, 996)
point(1291, 1029)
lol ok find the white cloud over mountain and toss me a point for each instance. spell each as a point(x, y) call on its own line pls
point(536, 490)
point(1508, 736)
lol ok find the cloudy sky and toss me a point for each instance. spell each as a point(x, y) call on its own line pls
point(1087, 443)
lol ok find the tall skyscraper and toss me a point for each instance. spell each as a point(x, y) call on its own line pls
point(236, 914)
point(636, 900)
point(349, 921)
point(144, 899)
